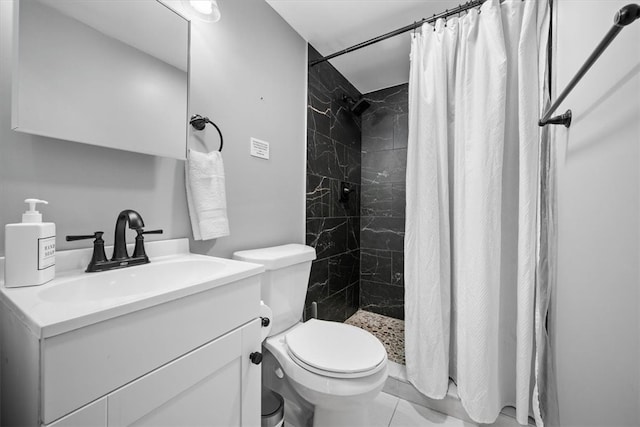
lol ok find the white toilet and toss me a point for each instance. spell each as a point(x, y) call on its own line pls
point(331, 368)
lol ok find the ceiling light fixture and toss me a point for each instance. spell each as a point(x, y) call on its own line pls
point(204, 10)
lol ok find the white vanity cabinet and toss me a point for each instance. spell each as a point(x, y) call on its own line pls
point(182, 360)
point(208, 387)
point(92, 415)
point(211, 386)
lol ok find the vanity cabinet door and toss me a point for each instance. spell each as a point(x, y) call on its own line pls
point(92, 415)
point(83, 365)
point(214, 385)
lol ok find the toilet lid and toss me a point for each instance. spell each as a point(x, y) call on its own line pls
point(335, 349)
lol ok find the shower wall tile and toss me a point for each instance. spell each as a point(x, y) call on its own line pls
point(333, 227)
point(323, 156)
point(377, 132)
point(379, 167)
point(319, 107)
point(398, 199)
point(385, 133)
point(327, 235)
point(319, 95)
point(329, 158)
point(334, 307)
point(350, 207)
point(382, 233)
point(376, 265)
point(376, 200)
point(345, 126)
point(318, 281)
point(353, 233)
point(353, 299)
point(327, 87)
point(400, 130)
point(339, 306)
point(344, 270)
point(397, 268)
point(323, 198)
point(392, 101)
point(353, 168)
point(318, 196)
point(382, 298)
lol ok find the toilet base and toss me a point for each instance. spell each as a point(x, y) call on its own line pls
point(301, 412)
point(297, 411)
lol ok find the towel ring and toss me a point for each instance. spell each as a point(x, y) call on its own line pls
point(198, 122)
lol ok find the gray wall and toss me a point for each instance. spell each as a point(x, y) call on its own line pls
point(596, 318)
point(252, 83)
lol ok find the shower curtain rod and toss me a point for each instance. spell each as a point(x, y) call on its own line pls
point(461, 8)
point(623, 17)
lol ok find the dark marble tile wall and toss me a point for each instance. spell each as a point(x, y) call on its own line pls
point(384, 163)
point(333, 227)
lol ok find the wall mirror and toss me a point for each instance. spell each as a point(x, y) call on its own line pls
point(102, 72)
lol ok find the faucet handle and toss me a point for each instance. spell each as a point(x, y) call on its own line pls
point(96, 235)
point(139, 251)
point(158, 231)
point(98, 256)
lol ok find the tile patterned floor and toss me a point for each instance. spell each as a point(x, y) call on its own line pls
point(388, 330)
point(391, 411)
point(388, 410)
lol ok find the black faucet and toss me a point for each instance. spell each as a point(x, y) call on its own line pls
point(120, 241)
point(120, 258)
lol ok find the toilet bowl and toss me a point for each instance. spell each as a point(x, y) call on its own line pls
point(333, 368)
point(337, 368)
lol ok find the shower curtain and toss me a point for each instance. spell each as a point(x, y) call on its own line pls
point(476, 89)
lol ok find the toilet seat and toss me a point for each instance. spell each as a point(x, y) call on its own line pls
point(335, 349)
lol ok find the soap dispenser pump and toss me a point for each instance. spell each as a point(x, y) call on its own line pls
point(30, 249)
point(32, 215)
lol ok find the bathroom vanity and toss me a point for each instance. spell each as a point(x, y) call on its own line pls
point(166, 343)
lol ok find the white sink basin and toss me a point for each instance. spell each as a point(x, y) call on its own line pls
point(134, 282)
point(75, 299)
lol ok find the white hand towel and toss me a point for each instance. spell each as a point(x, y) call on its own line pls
point(206, 195)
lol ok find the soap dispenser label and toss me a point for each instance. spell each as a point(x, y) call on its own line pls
point(46, 252)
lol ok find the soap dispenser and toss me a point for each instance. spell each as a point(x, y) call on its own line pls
point(30, 249)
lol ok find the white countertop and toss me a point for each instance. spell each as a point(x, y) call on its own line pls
point(75, 299)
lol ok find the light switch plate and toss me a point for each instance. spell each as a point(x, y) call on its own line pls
point(259, 148)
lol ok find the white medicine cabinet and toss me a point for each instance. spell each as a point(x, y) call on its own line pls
point(106, 73)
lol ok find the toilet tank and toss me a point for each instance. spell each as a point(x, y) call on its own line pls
point(284, 282)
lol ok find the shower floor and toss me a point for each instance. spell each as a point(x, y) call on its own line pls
point(388, 330)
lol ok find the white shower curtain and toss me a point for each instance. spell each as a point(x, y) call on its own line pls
point(472, 185)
